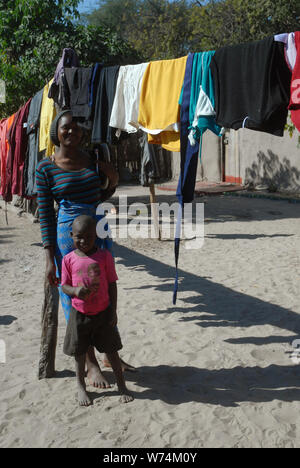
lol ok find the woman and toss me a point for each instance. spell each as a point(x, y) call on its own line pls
point(70, 178)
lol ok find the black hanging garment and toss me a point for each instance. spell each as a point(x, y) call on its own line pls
point(104, 101)
point(78, 80)
point(59, 88)
point(155, 163)
point(33, 154)
point(252, 86)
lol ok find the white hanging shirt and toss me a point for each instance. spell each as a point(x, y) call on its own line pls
point(125, 110)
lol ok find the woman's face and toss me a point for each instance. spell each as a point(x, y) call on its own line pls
point(69, 134)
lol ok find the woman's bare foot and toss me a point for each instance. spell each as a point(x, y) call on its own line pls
point(124, 365)
point(96, 378)
point(94, 374)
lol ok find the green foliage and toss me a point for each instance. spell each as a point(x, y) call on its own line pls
point(156, 29)
point(160, 29)
point(31, 45)
point(225, 22)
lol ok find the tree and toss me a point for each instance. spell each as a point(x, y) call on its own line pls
point(227, 22)
point(31, 45)
point(156, 29)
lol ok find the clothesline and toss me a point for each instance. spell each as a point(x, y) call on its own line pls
point(115, 100)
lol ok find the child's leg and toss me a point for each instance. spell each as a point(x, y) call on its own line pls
point(117, 368)
point(83, 398)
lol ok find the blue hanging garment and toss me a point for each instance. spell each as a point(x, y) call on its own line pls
point(196, 116)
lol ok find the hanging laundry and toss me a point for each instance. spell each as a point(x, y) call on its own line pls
point(155, 163)
point(5, 149)
point(78, 80)
point(17, 139)
point(290, 50)
point(48, 114)
point(202, 100)
point(125, 110)
point(294, 104)
point(33, 155)
point(252, 86)
point(159, 112)
point(106, 89)
point(59, 89)
point(93, 86)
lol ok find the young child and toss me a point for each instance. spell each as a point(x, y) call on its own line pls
point(89, 277)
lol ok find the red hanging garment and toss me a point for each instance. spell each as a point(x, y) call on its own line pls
point(294, 105)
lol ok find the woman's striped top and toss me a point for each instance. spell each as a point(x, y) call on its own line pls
point(56, 184)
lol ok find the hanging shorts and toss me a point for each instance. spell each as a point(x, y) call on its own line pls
point(84, 331)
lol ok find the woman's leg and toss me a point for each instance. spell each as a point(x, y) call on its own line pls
point(94, 374)
point(124, 365)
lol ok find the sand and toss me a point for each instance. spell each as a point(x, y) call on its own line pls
point(215, 370)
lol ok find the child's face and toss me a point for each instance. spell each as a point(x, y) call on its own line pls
point(84, 239)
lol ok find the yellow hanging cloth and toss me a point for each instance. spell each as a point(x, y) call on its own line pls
point(159, 111)
point(48, 114)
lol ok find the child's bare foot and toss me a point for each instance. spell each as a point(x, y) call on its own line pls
point(126, 396)
point(124, 365)
point(83, 398)
point(96, 378)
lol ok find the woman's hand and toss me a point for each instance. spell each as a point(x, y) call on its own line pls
point(109, 170)
point(51, 274)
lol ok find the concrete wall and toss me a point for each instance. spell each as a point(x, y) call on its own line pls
point(262, 159)
point(209, 169)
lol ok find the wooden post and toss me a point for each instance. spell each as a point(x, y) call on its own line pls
point(154, 212)
point(49, 331)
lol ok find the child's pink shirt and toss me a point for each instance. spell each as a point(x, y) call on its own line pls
point(95, 271)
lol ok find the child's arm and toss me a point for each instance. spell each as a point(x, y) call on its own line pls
point(113, 295)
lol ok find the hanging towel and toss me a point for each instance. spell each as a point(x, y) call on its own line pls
point(48, 114)
point(294, 105)
point(252, 86)
point(159, 112)
point(125, 110)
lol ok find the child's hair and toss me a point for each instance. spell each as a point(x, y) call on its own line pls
point(84, 222)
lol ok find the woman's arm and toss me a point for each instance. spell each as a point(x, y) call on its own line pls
point(47, 223)
point(110, 172)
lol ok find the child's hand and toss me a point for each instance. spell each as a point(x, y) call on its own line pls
point(82, 292)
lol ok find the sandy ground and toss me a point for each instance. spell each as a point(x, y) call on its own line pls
point(216, 370)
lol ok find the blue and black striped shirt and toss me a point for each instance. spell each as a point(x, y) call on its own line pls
point(56, 184)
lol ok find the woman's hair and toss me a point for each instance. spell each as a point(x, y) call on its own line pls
point(54, 126)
